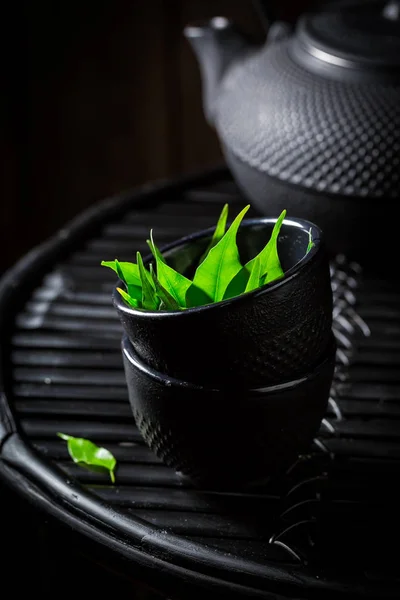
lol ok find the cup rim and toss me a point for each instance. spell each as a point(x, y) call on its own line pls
point(290, 274)
point(131, 355)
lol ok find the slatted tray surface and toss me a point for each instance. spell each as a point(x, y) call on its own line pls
point(332, 517)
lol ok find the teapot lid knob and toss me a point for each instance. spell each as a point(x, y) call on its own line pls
point(392, 10)
point(363, 35)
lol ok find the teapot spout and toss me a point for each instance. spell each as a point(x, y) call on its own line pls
point(217, 44)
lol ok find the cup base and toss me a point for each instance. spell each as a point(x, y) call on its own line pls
point(227, 438)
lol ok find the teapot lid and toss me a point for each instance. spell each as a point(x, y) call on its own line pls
point(360, 34)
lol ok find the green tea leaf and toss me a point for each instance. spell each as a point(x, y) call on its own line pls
point(154, 250)
point(85, 452)
point(149, 297)
point(254, 279)
point(270, 265)
point(196, 297)
point(126, 271)
point(172, 281)
point(218, 232)
point(221, 264)
point(238, 284)
point(128, 299)
point(168, 301)
point(134, 290)
point(129, 274)
point(275, 272)
point(310, 241)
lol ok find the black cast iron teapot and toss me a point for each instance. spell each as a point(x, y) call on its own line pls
point(310, 121)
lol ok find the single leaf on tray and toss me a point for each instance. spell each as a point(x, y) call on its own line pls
point(168, 302)
point(254, 279)
point(218, 232)
point(172, 281)
point(221, 264)
point(86, 453)
point(149, 297)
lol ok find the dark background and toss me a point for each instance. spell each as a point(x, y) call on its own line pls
point(97, 97)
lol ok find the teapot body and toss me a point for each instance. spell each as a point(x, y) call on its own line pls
point(310, 122)
point(325, 147)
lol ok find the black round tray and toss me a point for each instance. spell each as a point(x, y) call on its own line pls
point(327, 529)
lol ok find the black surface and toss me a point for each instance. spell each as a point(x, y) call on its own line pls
point(323, 531)
point(39, 553)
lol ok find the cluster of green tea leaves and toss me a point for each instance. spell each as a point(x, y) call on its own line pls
point(220, 274)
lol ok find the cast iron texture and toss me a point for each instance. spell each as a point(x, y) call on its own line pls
point(175, 417)
point(325, 530)
point(326, 151)
point(268, 336)
point(318, 132)
point(349, 224)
